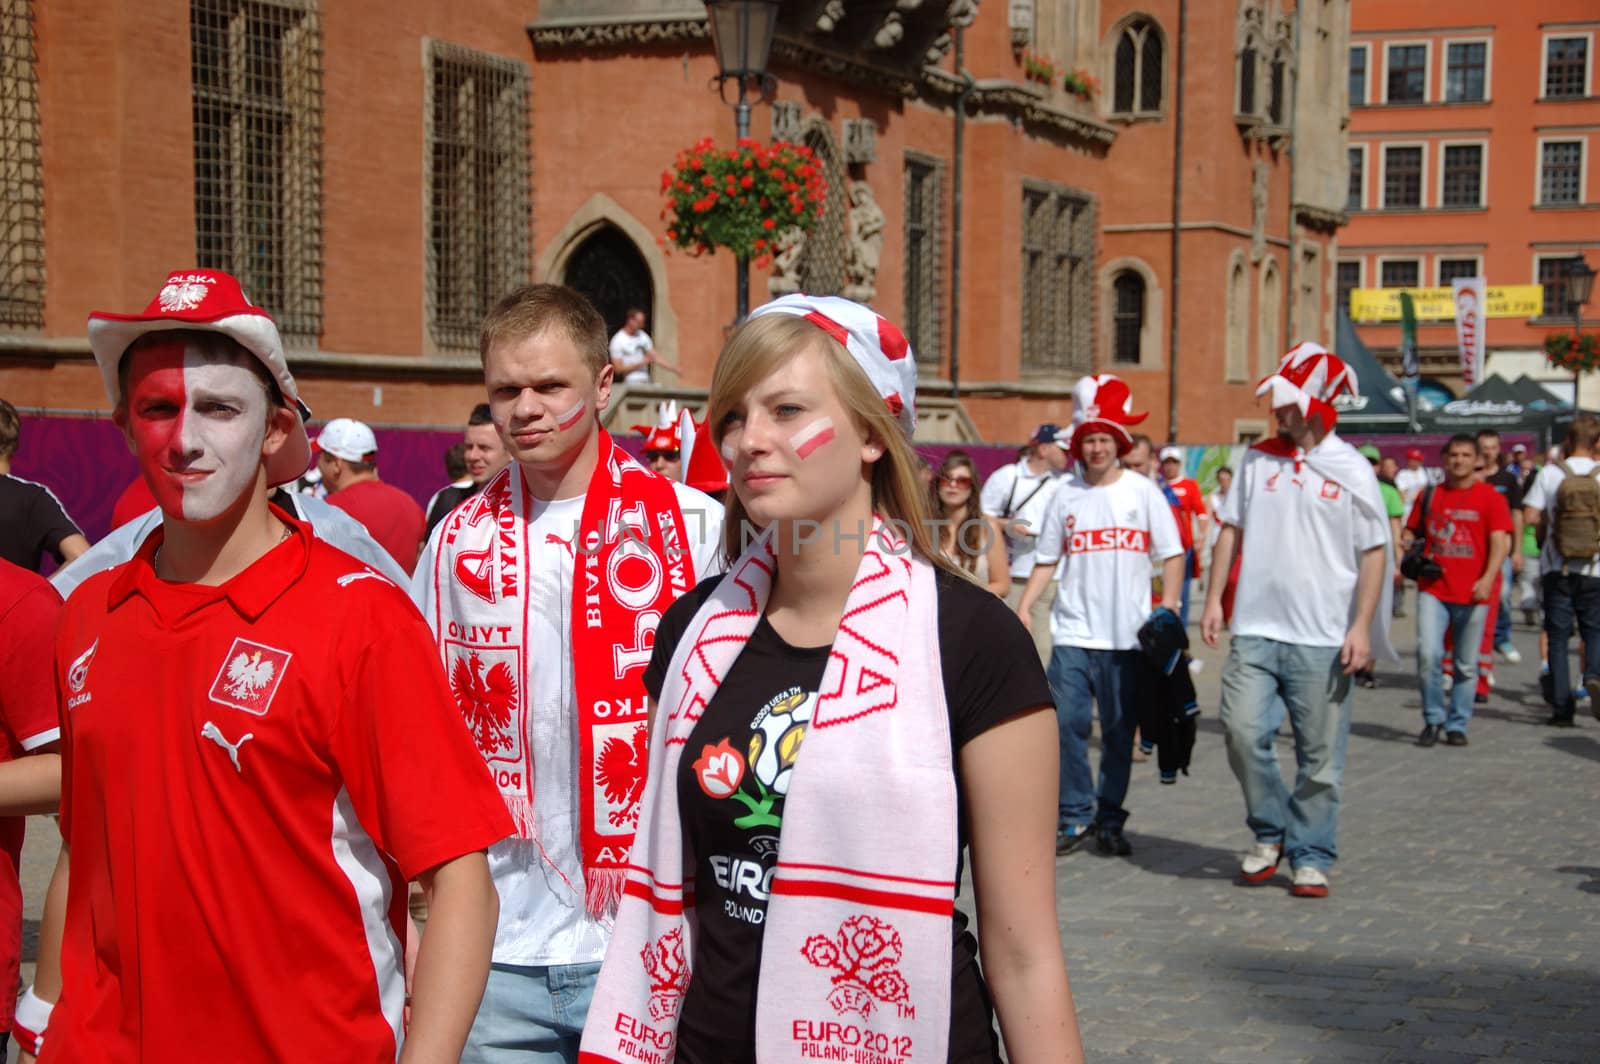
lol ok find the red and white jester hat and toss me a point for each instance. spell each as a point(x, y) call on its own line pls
point(702, 467)
point(1309, 378)
point(1101, 402)
point(210, 301)
point(877, 345)
point(664, 436)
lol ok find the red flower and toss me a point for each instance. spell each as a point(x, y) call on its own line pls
point(706, 181)
point(768, 223)
point(719, 770)
point(746, 181)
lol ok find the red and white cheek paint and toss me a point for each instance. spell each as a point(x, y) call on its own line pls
point(814, 435)
point(571, 417)
point(197, 428)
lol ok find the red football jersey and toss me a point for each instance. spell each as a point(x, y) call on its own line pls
point(251, 774)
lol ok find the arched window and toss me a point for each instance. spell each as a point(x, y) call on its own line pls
point(1237, 360)
point(1127, 318)
point(1137, 77)
point(1269, 330)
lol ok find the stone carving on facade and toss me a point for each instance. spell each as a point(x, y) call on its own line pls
point(890, 32)
point(787, 121)
point(860, 141)
point(866, 243)
point(832, 15)
point(789, 247)
point(961, 12)
point(1258, 206)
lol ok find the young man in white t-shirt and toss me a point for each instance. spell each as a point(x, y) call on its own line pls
point(1014, 499)
point(1314, 569)
point(1104, 525)
point(1569, 587)
point(633, 353)
point(549, 377)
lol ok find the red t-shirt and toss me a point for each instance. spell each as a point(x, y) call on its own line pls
point(135, 501)
point(1459, 523)
point(251, 775)
point(1190, 505)
point(392, 517)
point(29, 607)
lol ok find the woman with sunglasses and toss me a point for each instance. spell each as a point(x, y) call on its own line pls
point(964, 537)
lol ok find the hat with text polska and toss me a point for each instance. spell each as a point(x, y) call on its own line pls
point(209, 301)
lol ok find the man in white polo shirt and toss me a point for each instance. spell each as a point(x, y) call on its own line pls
point(1104, 525)
point(1314, 570)
point(1014, 500)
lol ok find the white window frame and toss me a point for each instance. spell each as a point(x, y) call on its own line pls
point(1583, 168)
point(1383, 179)
point(1439, 282)
point(1483, 173)
point(1366, 96)
point(1428, 71)
point(1366, 172)
point(1380, 260)
point(1488, 68)
point(1544, 62)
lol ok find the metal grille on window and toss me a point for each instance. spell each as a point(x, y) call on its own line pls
point(826, 250)
point(1348, 280)
point(477, 188)
point(257, 69)
point(1128, 317)
point(1553, 276)
point(1450, 269)
point(924, 206)
point(1401, 273)
point(1463, 175)
point(1402, 177)
point(1058, 293)
point(1565, 60)
point(1560, 176)
point(21, 179)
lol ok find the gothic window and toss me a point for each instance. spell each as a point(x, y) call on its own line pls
point(477, 188)
point(608, 269)
point(1237, 359)
point(21, 179)
point(924, 193)
point(1269, 329)
point(1058, 252)
point(257, 77)
point(826, 248)
point(1247, 79)
point(1138, 74)
point(1275, 89)
point(1127, 317)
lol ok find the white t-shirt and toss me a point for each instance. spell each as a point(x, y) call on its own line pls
point(1017, 496)
point(1302, 535)
point(1106, 538)
point(631, 350)
point(543, 920)
point(1542, 496)
point(1410, 482)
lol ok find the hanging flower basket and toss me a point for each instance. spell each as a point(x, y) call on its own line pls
point(740, 198)
point(1579, 354)
point(1038, 68)
point(1081, 83)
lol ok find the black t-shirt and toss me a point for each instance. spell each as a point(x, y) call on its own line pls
point(1509, 485)
point(447, 499)
point(32, 521)
point(758, 716)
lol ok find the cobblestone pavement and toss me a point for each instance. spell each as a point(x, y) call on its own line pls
point(1463, 925)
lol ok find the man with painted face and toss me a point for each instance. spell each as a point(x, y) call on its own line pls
point(544, 591)
point(244, 711)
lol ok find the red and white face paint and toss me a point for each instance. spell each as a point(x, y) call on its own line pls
point(197, 425)
point(814, 435)
point(571, 417)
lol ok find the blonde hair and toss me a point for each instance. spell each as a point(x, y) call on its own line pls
point(754, 352)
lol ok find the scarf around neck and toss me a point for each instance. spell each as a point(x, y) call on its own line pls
point(631, 560)
point(856, 943)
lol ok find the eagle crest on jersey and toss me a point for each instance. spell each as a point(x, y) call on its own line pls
point(486, 699)
point(249, 677)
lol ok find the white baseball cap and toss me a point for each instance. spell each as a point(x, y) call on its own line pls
point(348, 439)
point(1172, 452)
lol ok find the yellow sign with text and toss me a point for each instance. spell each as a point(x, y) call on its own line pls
point(1439, 304)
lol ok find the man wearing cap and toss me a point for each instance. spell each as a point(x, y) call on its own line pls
point(544, 591)
point(485, 455)
point(347, 456)
point(1311, 609)
point(1014, 499)
point(1104, 525)
point(1190, 513)
point(245, 712)
point(1413, 478)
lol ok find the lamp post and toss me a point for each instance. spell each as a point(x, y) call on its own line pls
point(1579, 280)
point(742, 32)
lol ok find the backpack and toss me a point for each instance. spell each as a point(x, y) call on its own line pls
point(1577, 514)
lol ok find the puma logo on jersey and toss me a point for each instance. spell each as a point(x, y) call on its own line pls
point(214, 733)
point(366, 574)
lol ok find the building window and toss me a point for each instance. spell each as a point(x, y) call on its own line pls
point(924, 207)
point(1269, 328)
point(1561, 171)
point(1407, 73)
point(1058, 253)
point(1275, 89)
point(1452, 269)
point(21, 178)
point(1237, 354)
point(1137, 83)
point(257, 69)
point(1347, 280)
point(1402, 177)
point(1358, 76)
point(1358, 160)
point(827, 246)
point(1566, 62)
point(477, 188)
point(1466, 66)
point(1127, 317)
point(1247, 79)
point(1400, 273)
point(1553, 278)
point(1463, 175)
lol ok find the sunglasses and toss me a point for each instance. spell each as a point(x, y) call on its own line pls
point(954, 481)
point(669, 456)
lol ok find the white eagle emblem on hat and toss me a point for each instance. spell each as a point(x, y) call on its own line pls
point(184, 293)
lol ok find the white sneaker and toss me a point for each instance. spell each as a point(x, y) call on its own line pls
point(1260, 863)
point(1309, 883)
point(1510, 654)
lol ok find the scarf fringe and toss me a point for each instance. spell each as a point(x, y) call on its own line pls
point(602, 890)
point(521, 810)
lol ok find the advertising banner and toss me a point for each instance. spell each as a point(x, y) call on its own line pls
point(1470, 298)
point(1439, 304)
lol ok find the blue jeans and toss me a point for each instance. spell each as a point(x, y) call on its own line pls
point(1183, 603)
point(1261, 678)
point(1108, 679)
point(531, 1015)
point(1571, 601)
point(1465, 622)
point(1502, 620)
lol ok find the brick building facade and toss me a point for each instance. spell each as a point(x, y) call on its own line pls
point(379, 173)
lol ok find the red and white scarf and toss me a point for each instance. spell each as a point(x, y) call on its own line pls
point(631, 561)
point(856, 947)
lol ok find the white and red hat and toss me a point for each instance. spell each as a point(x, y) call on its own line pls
point(210, 301)
point(877, 345)
point(1309, 377)
point(702, 466)
point(664, 435)
point(1101, 402)
point(349, 439)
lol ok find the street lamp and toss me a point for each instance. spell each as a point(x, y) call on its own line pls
point(1579, 280)
point(742, 32)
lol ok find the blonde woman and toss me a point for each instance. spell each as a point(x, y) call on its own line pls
point(963, 537)
point(840, 717)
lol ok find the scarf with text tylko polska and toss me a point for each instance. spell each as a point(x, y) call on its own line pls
point(856, 941)
point(630, 562)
